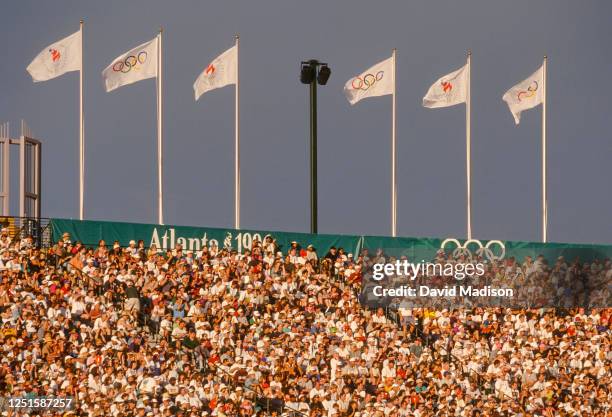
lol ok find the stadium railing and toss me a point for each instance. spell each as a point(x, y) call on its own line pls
point(21, 227)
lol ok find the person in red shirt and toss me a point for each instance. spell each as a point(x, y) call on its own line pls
point(65, 290)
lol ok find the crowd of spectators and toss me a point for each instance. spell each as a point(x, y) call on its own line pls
point(136, 331)
point(534, 284)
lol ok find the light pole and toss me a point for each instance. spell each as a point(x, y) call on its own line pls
point(310, 75)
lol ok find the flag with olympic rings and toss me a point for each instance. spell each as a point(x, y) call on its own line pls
point(525, 95)
point(137, 64)
point(374, 82)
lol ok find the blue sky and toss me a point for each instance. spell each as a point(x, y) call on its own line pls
point(508, 40)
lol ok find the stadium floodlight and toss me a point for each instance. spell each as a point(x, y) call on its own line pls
point(309, 75)
point(324, 73)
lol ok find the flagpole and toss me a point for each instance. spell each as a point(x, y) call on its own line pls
point(393, 159)
point(544, 200)
point(237, 140)
point(468, 134)
point(160, 158)
point(81, 135)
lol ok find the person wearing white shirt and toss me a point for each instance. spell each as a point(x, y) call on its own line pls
point(335, 364)
point(388, 370)
point(77, 306)
point(502, 388)
point(194, 400)
point(317, 390)
point(183, 397)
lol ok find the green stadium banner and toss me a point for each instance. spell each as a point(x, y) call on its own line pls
point(416, 249)
point(425, 249)
point(192, 238)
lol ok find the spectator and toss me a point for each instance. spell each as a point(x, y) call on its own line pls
point(132, 302)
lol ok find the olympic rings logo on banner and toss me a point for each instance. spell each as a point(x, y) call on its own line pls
point(485, 250)
point(131, 62)
point(367, 81)
point(531, 91)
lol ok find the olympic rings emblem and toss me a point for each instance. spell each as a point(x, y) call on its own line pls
point(531, 91)
point(485, 250)
point(367, 81)
point(131, 62)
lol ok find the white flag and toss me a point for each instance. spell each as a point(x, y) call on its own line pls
point(137, 64)
point(448, 90)
point(526, 94)
point(56, 59)
point(374, 82)
point(220, 72)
